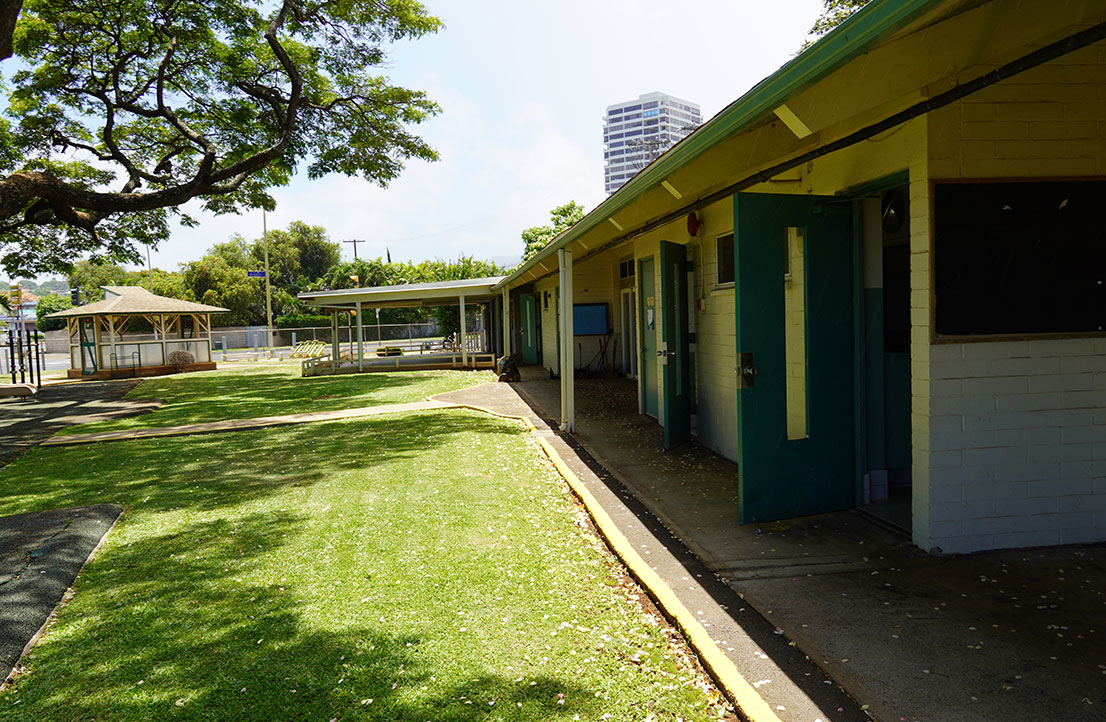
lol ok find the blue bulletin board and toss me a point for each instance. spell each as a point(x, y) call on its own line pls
point(589, 319)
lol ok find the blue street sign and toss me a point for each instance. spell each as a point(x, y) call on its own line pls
point(255, 274)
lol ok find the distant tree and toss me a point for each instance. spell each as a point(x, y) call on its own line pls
point(212, 280)
point(48, 304)
point(834, 12)
point(89, 276)
point(562, 218)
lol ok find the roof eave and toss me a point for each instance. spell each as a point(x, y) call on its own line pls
point(844, 43)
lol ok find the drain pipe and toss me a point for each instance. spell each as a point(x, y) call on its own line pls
point(1038, 57)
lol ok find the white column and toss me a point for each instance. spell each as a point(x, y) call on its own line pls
point(335, 347)
point(464, 336)
point(568, 346)
point(506, 320)
point(360, 339)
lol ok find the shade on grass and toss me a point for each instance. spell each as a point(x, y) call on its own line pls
point(423, 566)
point(243, 392)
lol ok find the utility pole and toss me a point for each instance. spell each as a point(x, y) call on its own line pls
point(355, 241)
point(268, 286)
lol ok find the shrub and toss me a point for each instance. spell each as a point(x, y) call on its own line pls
point(180, 360)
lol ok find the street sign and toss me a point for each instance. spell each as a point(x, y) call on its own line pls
point(255, 274)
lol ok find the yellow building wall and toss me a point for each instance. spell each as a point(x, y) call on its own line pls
point(546, 290)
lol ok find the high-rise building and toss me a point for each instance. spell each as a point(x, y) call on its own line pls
point(636, 132)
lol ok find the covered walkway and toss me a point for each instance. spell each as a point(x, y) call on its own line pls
point(1004, 635)
point(475, 349)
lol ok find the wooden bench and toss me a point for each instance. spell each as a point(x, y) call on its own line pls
point(17, 391)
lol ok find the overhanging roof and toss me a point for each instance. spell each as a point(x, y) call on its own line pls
point(135, 301)
point(869, 26)
point(438, 293)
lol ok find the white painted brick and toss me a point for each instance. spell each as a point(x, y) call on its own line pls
point(944, 529)
point(966, 544)
point(999, 456)
point(1022, 539)
point(1062, 347)
point(1061, 452)
point(1061, 382)
point(1082, 364)
point(1082, 435)
point(1084, 502)
point(1027, 507)
point(945, 493)
point(977, 368)
point(995, 350)
point(940, 389)
point(1040, 435)
point(1031, 419)
point(981, 439)
point(1033, 473)
point(1082, 469)
point(1100, 451)
point(964, 405)
point(1089, 535)
point(988, 489)
point(940, 459)
point(1054, 401)
point(942, 352)
point(1059, 487)
point(997, 385)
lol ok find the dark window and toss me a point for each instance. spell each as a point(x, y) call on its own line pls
point(725, 259)
point(1019, 258)
point(626, 269)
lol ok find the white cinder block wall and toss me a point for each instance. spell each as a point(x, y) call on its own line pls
point(716, 339)
point(1017, 442)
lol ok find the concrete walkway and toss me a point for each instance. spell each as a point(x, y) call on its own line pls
point(24, 424)
point(1004, 636)
point(240, 424)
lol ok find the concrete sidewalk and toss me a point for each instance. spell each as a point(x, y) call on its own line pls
point(1003, 636)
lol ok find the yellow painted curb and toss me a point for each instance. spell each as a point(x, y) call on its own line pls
point(725, 673)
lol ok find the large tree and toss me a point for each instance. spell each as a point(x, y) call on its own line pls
point(128, 108)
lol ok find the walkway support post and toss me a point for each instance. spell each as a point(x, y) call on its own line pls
point(568, 354)
point(464, 336)
point(360, 339)
point(506, 322)
point(334, 349)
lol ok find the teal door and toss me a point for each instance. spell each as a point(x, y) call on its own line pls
point(529, 325)
point(675, 356)
point(648, 335)
point(795, 367)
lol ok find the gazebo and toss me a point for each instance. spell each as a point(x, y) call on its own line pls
point(99, 346)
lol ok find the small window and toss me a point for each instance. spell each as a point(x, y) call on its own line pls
point(725, 259)
point(626, 269)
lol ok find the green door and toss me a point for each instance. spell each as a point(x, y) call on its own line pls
point(675, 357)
point(648, 335)
point(795, 368)
point(529, 326)
point(87, 337)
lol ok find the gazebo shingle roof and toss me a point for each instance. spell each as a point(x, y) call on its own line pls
point(135, 300)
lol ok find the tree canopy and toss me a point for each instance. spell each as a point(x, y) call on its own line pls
point(834, 12)
point(129, 108)
point(562, 218)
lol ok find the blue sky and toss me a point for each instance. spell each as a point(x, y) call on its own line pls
point(523, 87)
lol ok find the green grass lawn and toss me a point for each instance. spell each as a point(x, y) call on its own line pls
point(422, 566)
point(242, 392)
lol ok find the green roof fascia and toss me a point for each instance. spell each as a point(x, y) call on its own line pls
point(852, 38)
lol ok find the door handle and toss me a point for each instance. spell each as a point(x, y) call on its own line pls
point(747, 371)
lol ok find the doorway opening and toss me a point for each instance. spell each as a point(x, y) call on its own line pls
point(629, 332)
point(887, 482)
